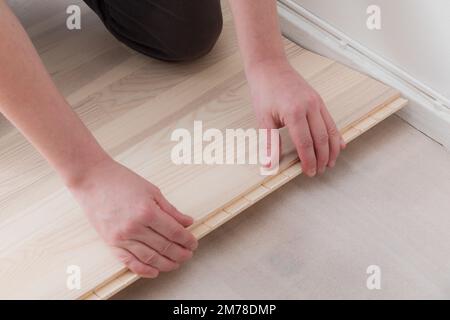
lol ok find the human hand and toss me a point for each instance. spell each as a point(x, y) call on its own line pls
point(145, 231)
point(281, 97)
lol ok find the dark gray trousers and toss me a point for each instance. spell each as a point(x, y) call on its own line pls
point(170, 30)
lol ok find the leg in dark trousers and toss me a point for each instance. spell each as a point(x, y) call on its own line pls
point(170, 30)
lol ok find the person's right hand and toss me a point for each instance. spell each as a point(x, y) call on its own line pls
point(281, 97)
point(145, 231)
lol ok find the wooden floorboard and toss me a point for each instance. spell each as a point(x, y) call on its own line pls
point(385, 204)
point(132, 104)
point(222, 215)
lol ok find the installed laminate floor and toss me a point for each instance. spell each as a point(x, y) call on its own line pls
point(386, 203)
point(132, 104)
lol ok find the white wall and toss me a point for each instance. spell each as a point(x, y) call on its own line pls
point(415, 34)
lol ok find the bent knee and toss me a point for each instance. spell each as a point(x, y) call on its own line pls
point(195, 36)
point(171, 30)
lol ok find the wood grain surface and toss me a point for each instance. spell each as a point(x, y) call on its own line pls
point(133, 104)
point(385, 203)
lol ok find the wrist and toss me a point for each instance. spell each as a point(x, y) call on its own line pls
point(79, 172)
point(274, 65)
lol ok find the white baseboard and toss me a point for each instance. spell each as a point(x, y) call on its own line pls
point(428, 111)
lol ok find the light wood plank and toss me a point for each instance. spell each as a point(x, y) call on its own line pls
point(132, 104)
point(320, 235)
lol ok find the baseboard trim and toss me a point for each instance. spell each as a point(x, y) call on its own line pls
point(428, 111)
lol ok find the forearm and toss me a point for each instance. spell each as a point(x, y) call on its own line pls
point(30, 100)
point(258, 32)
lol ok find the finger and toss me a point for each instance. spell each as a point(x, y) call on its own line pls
point(334, 135)
point(320, 136)
point(343, 143)
point(301, 136)
point(176, 253)
point(149, 256)
point(135, 266)
point(163, 246)
point(169, 228)
point(273, 148)
point(166, 206)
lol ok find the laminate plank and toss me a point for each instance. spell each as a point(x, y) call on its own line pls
point(132, 105)
point(385, 203)
point(257, 194)
point(296, 168)
point(115, 285)
point(199, 231)
point(351, 134)
point(216, 219)
point(276, 182)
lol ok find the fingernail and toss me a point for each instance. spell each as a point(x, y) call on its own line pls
point(312, 173)
point(332, 164)
point(321, 170)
